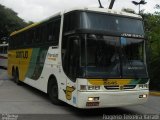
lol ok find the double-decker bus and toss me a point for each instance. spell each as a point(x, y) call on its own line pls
point(3, 55)
point(86, 57)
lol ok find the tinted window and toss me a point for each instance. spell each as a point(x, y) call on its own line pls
point(56, 31)
point(45, 34)
point(3, 49)
point(71, 21)
point(111, 23)
point(53, 30)
point(102, 22)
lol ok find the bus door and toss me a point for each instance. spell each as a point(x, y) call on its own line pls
point(73, 57)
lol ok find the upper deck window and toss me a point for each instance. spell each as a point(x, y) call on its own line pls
point(102, 22)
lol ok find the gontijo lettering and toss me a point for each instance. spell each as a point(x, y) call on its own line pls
point(22, 54)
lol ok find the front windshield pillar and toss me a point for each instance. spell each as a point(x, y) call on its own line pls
point(85, 38)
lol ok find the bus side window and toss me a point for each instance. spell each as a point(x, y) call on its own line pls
point(53, 30)
point(15, 41)
point(5, 49)
point(37, 36)
point(44, 34)
point(25, 39)
point(34, 37)
point(11, 40)
point(18, 41)
point(56, 31)
point(50, 32)
point(1, 50)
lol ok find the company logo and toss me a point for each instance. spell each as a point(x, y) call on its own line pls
point(110, 82)
point(52, 56)
point(22, 54)
point(68, 92)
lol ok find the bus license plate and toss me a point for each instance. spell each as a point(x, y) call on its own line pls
point(92, 104)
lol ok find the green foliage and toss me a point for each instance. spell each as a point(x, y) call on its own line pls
point(152, 28)
point(9, 21)
point(152, 31)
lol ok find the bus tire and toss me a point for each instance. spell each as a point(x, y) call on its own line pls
point(17, 78)
point(53, 93)
point(13, 75)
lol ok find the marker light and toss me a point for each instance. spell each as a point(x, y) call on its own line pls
point(90, 87)
point(140, 86)
point(143, 86)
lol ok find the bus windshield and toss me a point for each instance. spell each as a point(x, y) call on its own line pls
point(111, 23)
point(102, 22)
point(112, 57)
point(103, 45)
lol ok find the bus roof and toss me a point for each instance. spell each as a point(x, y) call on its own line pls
point(103, 10)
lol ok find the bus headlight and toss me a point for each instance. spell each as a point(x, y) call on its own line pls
point(140, 86)
point(90, 99)
point(143, 86)
point(143, 96)
point(89, 87)
point(97, 87)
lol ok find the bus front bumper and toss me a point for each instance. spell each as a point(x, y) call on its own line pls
point(111, 99)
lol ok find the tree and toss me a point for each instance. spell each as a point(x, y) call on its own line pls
point(152, 28)
point(152, 31)
point(9, 21)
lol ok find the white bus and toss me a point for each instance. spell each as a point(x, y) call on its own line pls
point(86, 57)
point(3, 55)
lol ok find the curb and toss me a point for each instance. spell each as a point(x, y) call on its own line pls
point(154, 93)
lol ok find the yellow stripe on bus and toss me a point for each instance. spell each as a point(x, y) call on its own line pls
point(24, 29)
point(109, 81)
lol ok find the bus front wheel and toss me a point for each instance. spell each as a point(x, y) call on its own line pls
point(53, 93)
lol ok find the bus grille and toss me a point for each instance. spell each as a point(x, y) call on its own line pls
point(118, 87)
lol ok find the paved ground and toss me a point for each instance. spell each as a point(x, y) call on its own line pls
point(3, 74)
point(27, 100)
